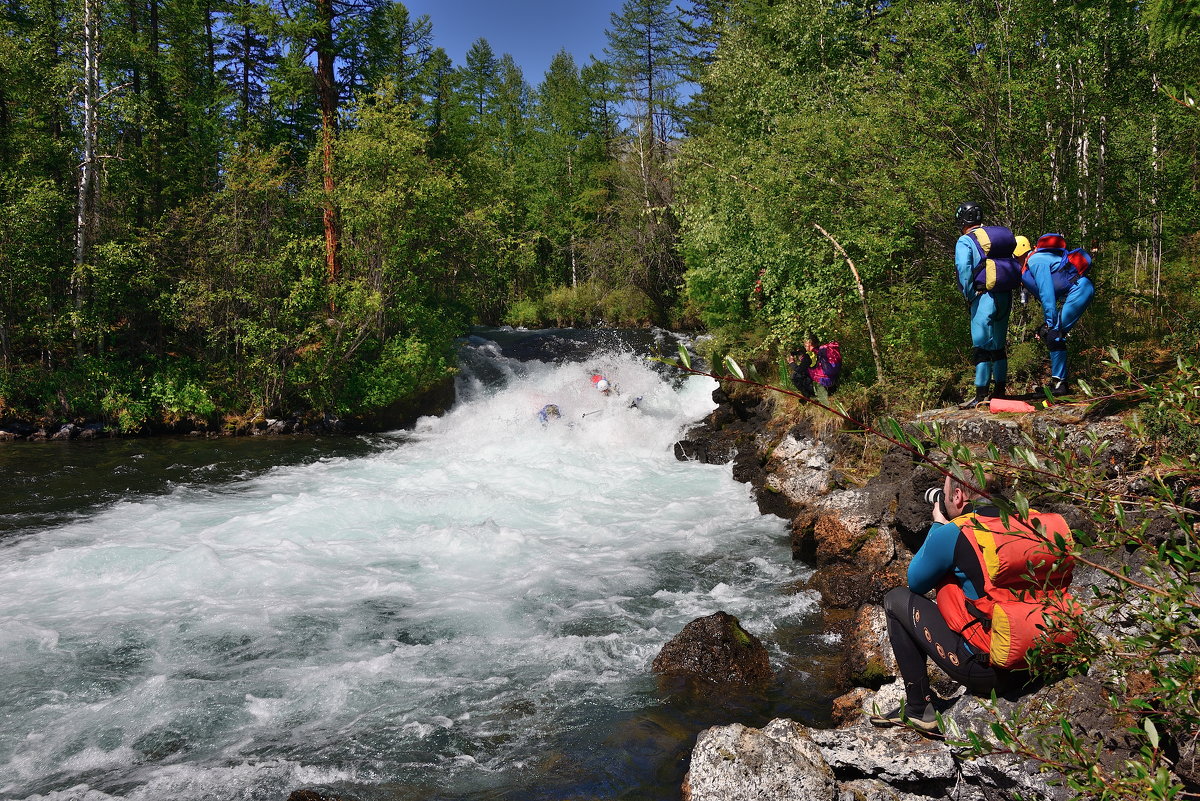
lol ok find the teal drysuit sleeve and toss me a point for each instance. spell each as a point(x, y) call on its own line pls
point(965, 259)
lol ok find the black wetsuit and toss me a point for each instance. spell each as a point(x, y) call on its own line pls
point(917, 630)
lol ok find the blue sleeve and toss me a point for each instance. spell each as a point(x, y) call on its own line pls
point(1040, 265)
point(965, 259)
point(934, 559)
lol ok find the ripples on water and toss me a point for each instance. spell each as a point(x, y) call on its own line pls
point(466, 611)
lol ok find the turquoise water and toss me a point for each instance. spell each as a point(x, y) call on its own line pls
point(463, 611)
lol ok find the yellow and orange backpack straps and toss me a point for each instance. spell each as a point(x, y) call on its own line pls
point(1025, 574)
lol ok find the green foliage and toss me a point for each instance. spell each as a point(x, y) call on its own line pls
point(579, 305)
point(461, 194)
point(1171, 414)
point(627, 306)
point(523, 313)
point(804, 105)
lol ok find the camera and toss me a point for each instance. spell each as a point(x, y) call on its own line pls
point(935, 496)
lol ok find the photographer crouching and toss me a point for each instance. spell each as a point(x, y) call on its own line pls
point(999, 584)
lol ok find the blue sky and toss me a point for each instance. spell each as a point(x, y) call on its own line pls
point(531, 30)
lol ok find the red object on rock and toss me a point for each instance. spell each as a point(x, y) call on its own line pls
point(1005, 405)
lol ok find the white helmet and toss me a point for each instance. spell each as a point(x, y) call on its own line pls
point(602, 385)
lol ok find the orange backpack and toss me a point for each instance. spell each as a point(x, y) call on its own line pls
point(1024, 586)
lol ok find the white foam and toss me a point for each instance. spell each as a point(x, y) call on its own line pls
point(447, 603)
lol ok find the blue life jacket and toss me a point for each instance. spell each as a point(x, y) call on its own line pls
point(997, 268)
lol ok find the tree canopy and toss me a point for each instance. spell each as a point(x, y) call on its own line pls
point(256, 207)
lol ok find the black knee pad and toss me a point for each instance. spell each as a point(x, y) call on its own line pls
point(895, 602)
point(1056, 344)
point(998, 355)
point(980, 355)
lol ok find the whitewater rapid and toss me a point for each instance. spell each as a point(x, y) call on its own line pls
point(428, 621)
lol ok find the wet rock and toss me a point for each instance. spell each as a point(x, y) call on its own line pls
point(93, 431)
point(738, 763)
point(287, 426)
point(7, 436)
point(848, 707)
point(328, 425)
point(309, 794)
point(804, 540)
point(67, 432)
point(20, 428)
point(715, 652)
point(845, 586)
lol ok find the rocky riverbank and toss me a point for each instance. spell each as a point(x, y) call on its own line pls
point(859, 536)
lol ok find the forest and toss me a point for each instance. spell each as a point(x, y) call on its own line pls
point(215, 209)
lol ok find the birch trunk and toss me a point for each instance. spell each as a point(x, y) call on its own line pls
point(85, 209)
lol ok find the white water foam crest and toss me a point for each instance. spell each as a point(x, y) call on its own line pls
point(447, 604)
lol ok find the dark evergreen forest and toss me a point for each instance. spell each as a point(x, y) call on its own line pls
point(231, 208)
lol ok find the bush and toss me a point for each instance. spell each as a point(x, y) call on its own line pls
point(573, 306)
point(628, 306)
point(523, 313)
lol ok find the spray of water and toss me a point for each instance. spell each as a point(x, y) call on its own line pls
point(437, 614)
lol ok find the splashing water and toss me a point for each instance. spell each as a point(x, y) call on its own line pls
point(464, 610)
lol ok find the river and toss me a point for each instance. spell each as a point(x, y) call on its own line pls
point(467, 610)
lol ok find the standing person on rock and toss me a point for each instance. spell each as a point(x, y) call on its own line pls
point(999, 585)
point(979, 248)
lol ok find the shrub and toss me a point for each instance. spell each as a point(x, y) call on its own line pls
point(573, 306)
point(627, 306)
point(523, 313)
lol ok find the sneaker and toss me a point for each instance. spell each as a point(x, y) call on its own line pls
point(1058, 387)
point(926, 723)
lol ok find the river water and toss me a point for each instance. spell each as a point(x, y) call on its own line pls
point(467, 610)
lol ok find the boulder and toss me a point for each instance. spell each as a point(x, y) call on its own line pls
point(715, 652)
point(900, 757)
point(801, 469)
point(844, 585)
point(851, 539)
point(870, 661)
point(309, 794)
point(973, 426)
point(739, 763)
point(20, 428)
point(67, 432)
point(93, 431)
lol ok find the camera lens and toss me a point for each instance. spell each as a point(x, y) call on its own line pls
point(933, 494)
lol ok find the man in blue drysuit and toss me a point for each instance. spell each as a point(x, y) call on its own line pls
point(1052, 278)
point(988, 311)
